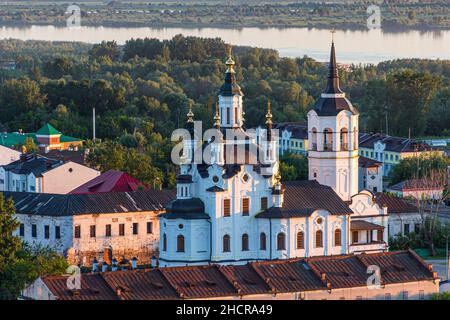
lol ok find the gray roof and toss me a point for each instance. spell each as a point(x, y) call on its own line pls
point(33, 163)
point(46, 204)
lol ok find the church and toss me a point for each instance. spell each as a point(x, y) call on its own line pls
point(233, 207)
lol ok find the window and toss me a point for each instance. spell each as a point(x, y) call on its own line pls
point(263, 203)
point(149, 227)
point(245, 242)
point(245, 206)
point(77, 232)
point(108, 230)
point(228, 116)
point(135, 228)
point(164, 242)
point(121, 229)
point(319, 239)
point(406, 228)
point(22, 230)
point(387, 296)
point(226, 243)
point(32, 188)
point(281, 241)
point(314, 139)
point(396, 158)
point(180, 243)
point(344, 139)
point(300, 240)
point(405, 295)
point(327, 139)
point(262, 241)
point(57, 232)
point(375, 189)
point(33, 231)
point(421, 295)
point(92, 231)
point(226, 207)
point(380, 235)
point(337, 237)
point(417, 228)
point(354, 236)
point(47, 232)
point(359, 298)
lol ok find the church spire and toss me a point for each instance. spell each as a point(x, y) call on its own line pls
point(230, 86)
point(333, 77)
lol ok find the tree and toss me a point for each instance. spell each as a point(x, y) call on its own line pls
point(30, 145)
point(106, 49)
point(294, 167)
point(9, 244)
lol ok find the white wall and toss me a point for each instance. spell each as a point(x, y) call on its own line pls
point(67, 177)
point(8, 155)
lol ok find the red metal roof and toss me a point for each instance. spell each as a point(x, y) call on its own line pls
point(213, 281)
point(93, 287)
point(394, 204)
point(110, 181)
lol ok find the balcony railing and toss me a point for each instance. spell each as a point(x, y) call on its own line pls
point(327, 147)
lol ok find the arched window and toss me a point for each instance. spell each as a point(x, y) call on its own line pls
point(319, 239)
point(327, 139)
point(355, 139)
point(337, 237)
point(180, 243)
point(344, 139)
point(281, 241)
point(164, 246)
point(300, 240)
point(314, 139)
point(262, 241)
point(245, 242)
point(226, 243)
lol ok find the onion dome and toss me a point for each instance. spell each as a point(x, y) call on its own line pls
point(230, 87)
point(192, 208)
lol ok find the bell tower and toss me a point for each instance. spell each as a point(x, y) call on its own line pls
point(333, 137)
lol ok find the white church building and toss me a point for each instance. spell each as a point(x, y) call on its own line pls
point(235, 209)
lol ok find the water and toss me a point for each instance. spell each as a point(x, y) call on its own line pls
point(352, 46)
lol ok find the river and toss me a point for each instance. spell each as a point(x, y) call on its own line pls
point(353, 46)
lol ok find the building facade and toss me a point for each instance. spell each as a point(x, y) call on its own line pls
point(35, 173)
point(233, 209)
point(84, 227)
point(8, 155)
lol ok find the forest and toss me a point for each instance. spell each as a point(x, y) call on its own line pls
point(341, 14)
point(141, 93)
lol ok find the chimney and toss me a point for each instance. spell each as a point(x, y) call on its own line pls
point(153, 262)
point(95, 265)
point(114, 265)
point(323, 276)
point(104, 267)
point(134, 263)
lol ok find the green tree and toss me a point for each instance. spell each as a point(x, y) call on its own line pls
point(294, 167)
point(9, 244)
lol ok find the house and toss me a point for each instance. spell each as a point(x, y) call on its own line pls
point(8, 155)
point(370, 175)
point(390, 150)
point(99, 226)
point(402, 276)
point(418, 189)
point(233, 210)
point(46, 138)
point(110, 181)
point(404, 217)
point(35, 173)
point(293, 137)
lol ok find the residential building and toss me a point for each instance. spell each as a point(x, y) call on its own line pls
point(417, 189)
point(100, 226)
point(110, 181)
point(46, 138)
point(390, 150)
point(403, 276)
point(8, 155)
point(293, 137)
point(35, 173)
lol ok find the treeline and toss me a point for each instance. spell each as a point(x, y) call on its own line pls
point(141, 92)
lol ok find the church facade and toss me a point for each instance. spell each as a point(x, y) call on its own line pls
point(232, 208)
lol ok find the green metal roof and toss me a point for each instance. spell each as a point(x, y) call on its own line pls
point(47, 129)
point(11, 140)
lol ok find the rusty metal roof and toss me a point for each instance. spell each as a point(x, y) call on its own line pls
point(364, 225)
point(394, 204)
point(213, 281)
